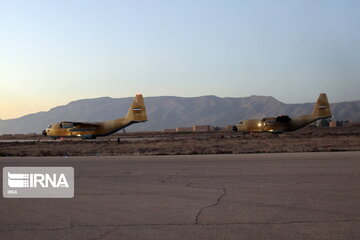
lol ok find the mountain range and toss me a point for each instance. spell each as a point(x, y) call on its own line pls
point(170, 112)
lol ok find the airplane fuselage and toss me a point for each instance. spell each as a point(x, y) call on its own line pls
point(136, 114)
point(100, 129)
point(284, 123)
point(273, 125)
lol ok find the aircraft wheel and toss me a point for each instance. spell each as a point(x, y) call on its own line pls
point(234, 128)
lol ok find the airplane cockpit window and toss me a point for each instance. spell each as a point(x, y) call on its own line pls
point(240, 122)
point(49, 126)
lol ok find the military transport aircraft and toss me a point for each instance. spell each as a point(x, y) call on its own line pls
point(86, 130)
point(284, 123)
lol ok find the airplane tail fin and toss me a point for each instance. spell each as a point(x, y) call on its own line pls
point(137, 111)
point(322, 108)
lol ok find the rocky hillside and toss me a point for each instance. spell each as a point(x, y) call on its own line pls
point(170, 112)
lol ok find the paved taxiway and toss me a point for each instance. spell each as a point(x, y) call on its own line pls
point(259, 196)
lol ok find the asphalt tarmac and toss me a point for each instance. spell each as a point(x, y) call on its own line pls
point(256, 196)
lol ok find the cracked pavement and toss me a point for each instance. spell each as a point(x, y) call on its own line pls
point(256, 196)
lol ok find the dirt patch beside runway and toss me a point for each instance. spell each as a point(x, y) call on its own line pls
point(159, 143)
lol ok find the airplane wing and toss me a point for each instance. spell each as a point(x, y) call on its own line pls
point(269, 119)
point(78, 125)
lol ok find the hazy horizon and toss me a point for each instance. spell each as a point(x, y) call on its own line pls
point(64, 104)
point(53, 53)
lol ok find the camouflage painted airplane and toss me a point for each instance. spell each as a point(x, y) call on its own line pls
point(85, 130)
point(284, 123)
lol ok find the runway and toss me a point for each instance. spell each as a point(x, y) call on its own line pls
point(247, 196)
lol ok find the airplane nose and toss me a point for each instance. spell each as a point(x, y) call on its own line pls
point(44, 133)
point(234, 128)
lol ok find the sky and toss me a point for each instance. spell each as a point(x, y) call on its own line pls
point(54, 52)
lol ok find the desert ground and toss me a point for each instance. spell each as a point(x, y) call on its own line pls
point(309, 139)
